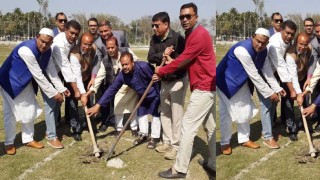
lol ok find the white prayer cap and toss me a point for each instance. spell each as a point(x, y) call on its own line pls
point(46, 31)
point(263, 31)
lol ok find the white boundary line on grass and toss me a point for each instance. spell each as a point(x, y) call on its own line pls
point(258, 162)
point(43, 162)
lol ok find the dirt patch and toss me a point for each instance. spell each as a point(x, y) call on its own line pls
point(88, 157)
point(304, 156)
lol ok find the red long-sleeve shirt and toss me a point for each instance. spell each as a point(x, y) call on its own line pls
point(199, 58)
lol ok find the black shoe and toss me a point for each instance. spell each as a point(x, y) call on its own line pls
point(77, 137)
point(153, 143)
point(140, 140)
point(134, 133)
point(317, 128)
point(116, 133)
point(204, 164)
point(103, 128)
point(293, 137)
point(168, 174)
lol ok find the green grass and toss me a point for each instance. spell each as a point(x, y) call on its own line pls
point(142, 163)
point(289, 162)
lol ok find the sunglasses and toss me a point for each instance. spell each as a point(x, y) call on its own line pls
point(155, 25)
point(62, 20)
point(188, 16)
point(278, 20)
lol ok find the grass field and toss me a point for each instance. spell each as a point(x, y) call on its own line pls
point(291, 161)
point(72, 162)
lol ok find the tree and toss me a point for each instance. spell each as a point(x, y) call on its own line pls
point(43, 9)
point(213, 24)
point(259, 10)
point(297, 18)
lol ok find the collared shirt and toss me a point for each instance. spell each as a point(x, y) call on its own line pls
point(166, 35)
point(292, 67)
point(276, 50)
point(60, 51)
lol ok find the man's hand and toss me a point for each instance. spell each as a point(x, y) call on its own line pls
point(309, 111)
point(156, 70)
point(77, 94)
point(91, 83)
point(305, 93)
point(67, 93)
point(84, 99)
point(307, 83)
point(89, 92)
point(76, 91)
point(58, 98)
point(293, 95)
point(300, 99)
point(274, 97)
point(168, 51)
point(168, 59)
point(155, 78)
point(94, 110)
point(283, 93)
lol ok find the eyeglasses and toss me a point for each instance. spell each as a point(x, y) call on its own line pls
point(62, 20)
point(188, 16)
point(155, 25)
point(93, 25)
point(278, 20)
point(308, 25)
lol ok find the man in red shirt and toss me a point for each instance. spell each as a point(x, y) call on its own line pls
point(199, 59)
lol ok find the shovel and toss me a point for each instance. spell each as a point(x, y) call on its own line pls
point(312, 151)
point(96, 150)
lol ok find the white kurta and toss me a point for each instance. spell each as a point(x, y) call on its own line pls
point(240, 107)
point(25, 106)
point(292, 67)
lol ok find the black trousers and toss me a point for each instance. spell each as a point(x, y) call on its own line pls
point(76, 122)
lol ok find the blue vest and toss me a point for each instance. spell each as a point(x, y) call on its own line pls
point(14, 73)
point(55, 31)
point(231, 75)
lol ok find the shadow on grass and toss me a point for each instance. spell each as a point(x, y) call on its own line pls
point(39, 134)
point(255, 134)
point(200, 147)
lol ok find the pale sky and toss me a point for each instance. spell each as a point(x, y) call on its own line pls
point(126, 10)
point(283, 6)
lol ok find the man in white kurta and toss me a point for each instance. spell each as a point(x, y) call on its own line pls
point(240, 107)
point(126, 98)
point(24, 106)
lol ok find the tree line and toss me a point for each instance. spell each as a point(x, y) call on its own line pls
point(233, 25)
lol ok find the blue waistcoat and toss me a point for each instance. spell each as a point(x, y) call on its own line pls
point(14, 73)
point(231, 75)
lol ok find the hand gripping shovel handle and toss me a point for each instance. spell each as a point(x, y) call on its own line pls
point(312, 151)
point(96, 150)
point(131, 116)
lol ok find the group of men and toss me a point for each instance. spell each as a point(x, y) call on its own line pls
point(277, 66)
point(100, 60)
